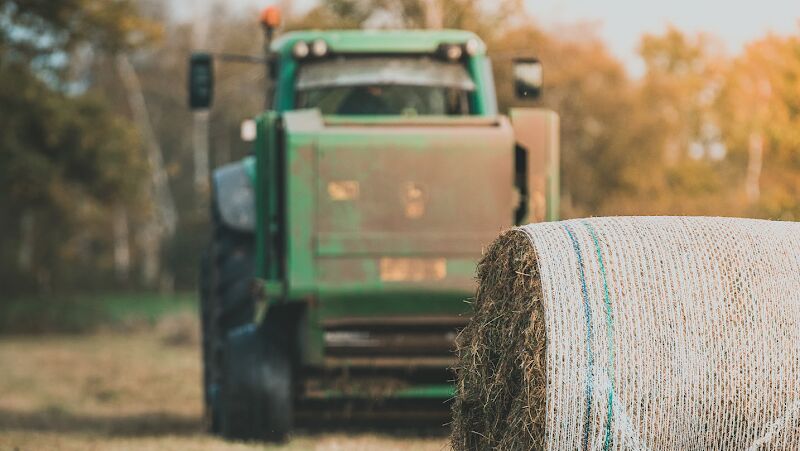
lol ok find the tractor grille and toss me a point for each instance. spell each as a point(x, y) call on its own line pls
point(425, 340)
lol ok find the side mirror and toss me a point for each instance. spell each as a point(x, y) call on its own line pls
point(201, 80)
point(528, 78)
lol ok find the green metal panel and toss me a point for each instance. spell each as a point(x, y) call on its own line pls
point(484, 98)
point(338, 245)
point(430, 391)
point(300, 219)
point(285, 92)
point(337, 249)
point(268, 175)
point(260, 148)
point(377, 41)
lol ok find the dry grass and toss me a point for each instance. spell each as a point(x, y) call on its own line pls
point(500, 377)
point(127, 391)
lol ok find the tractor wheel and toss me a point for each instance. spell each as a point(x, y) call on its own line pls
point(256, 391)
point(227, 301)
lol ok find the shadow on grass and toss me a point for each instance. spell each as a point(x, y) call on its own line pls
point(160, 424)
point(59, 421)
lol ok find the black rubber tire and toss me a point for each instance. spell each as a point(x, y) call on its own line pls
point(255, 400)
point(227, 301)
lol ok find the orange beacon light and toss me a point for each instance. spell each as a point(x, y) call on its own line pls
point(270, 17)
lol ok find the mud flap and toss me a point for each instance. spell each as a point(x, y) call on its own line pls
point(256, 397)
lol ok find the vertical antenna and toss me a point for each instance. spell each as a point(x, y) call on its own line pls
point(270, 20)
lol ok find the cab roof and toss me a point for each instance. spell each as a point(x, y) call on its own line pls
point(378, 41)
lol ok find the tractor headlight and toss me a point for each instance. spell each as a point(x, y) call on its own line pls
point(300, 49)
point(472, 46)
point(319, 48)
point(450, 52)
point(453, 52)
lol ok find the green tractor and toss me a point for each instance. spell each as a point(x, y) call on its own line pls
point(344, 248)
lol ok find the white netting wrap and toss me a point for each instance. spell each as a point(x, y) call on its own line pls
point(663, 333)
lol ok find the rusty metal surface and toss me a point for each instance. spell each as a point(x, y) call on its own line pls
point(365, 243)
point(404, 269)
point(394, 321)
point(310, 120)
point(387, 218)
point(389, 343)
point(456, 177)
point(411, 121)
point(335, 273)
point(398, 362)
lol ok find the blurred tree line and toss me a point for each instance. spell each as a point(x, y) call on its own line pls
point(102, 186)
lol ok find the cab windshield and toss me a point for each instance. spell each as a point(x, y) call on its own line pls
point(408, 86)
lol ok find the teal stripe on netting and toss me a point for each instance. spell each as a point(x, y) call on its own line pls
point(610, 333)
point(588, 311)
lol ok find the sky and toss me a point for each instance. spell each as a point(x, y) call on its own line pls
point(622, 22)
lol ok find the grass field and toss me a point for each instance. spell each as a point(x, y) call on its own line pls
point(84, 313)
point(130, 388)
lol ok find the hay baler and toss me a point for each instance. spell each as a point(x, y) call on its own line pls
point(344, 249)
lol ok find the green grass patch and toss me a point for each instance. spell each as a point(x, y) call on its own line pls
point(85, 313)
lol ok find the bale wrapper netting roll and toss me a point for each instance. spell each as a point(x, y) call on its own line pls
point(657, 333)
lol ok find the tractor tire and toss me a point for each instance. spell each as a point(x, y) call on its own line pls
point(227, 301)
point(256, 391)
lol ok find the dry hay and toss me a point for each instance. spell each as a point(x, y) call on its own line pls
point(634, 333)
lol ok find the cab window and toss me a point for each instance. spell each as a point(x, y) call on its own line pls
point(407, 86)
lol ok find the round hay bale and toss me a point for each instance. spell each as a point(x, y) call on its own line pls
point(654, 333)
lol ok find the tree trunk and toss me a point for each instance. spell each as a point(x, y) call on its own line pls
point(163, 222)
point(149, 240)
point(122, 251)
